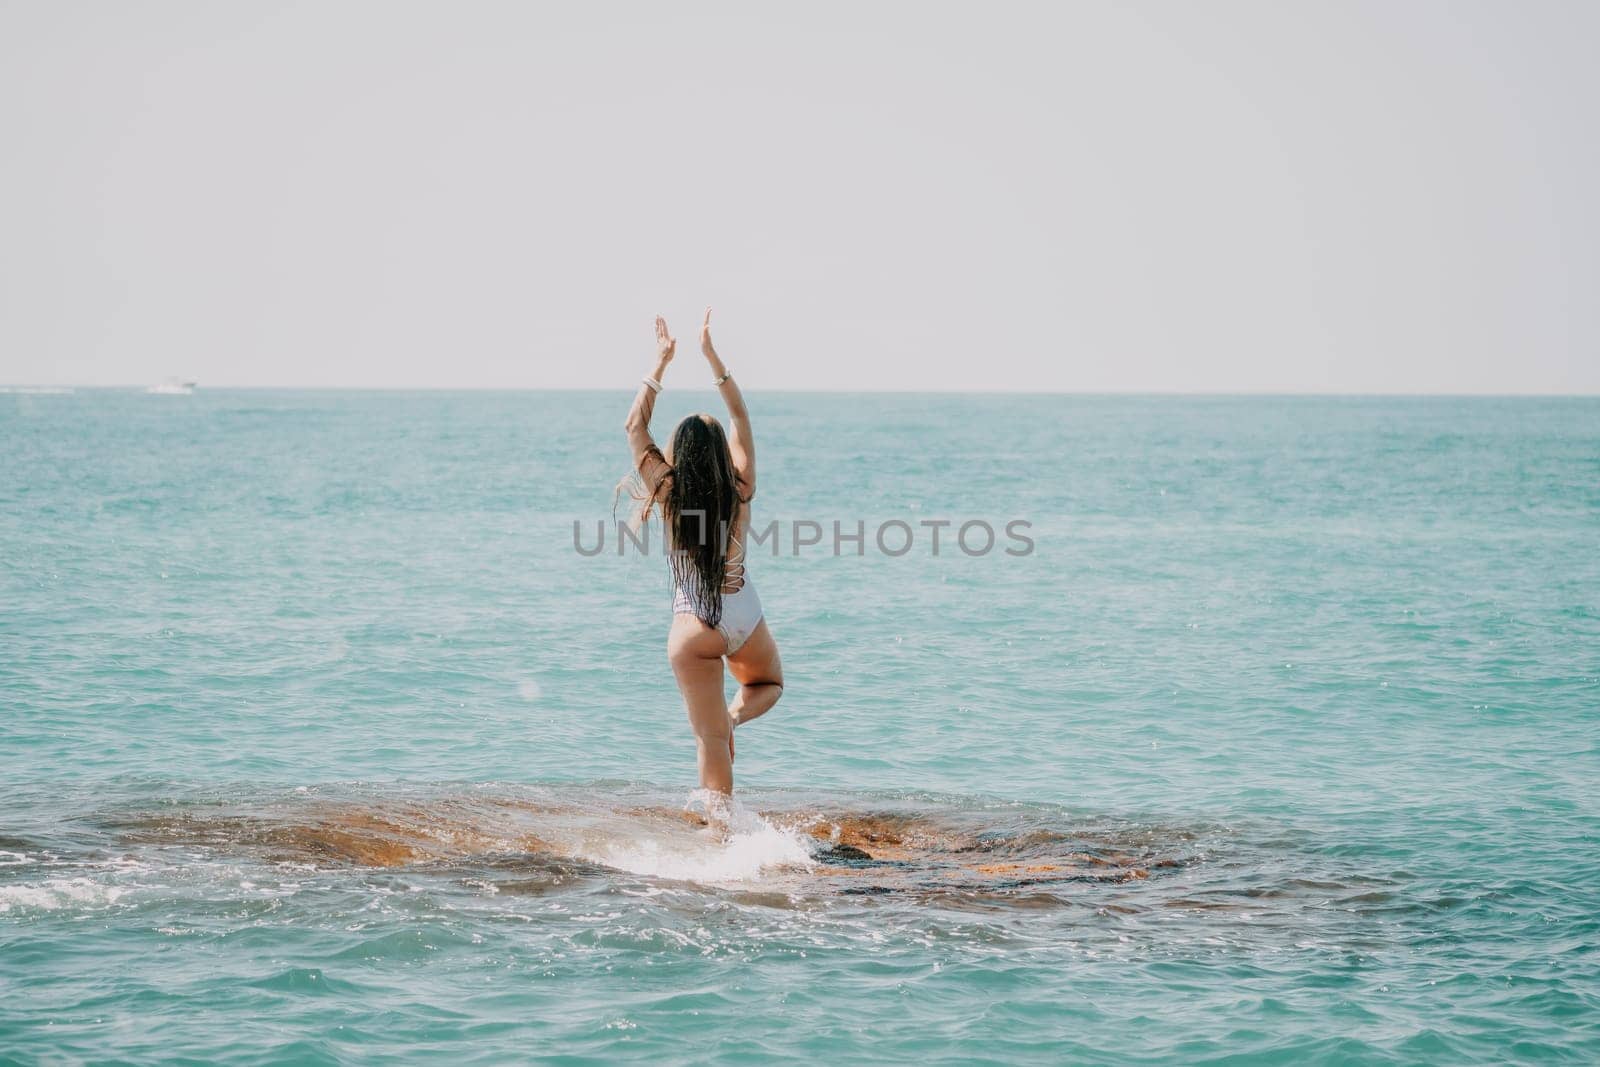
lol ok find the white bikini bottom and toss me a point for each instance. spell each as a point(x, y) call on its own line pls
point(741, 613)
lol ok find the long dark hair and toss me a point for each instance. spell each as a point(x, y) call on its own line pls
point(699, 505)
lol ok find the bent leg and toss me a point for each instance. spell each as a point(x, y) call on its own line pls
point(759, 673)
point(695, 651)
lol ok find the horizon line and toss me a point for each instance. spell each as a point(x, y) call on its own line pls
point(42, 388)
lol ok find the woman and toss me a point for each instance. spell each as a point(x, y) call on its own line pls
point(704, 484)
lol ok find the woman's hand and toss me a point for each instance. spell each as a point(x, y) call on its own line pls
point(706, 348)
point(666, 344)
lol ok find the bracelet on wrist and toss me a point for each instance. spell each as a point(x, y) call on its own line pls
point(717, 382)
point(654, 385)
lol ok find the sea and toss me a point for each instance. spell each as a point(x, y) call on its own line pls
point(337, 727)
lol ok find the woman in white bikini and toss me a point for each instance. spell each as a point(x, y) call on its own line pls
point(703, 484)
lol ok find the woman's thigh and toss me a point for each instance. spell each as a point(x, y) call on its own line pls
point(757, 662)
point(695, 651)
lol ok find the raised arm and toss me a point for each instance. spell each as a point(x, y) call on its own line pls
point(647, 458)
point(740, 443)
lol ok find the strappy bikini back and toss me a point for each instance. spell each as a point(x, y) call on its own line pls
point(733, 565)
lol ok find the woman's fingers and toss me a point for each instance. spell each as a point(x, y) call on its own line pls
point(707, 324)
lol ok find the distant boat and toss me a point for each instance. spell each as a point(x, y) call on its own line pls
point(172, 387)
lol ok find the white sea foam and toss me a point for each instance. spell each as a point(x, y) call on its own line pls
point(740, 847)
point(58, 893)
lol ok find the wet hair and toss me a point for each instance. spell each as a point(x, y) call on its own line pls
point(700, 500)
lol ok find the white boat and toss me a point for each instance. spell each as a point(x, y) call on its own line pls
point(172, 387)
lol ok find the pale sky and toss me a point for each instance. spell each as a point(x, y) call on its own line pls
point(1166, 197)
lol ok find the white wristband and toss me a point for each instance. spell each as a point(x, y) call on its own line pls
point(717, 382)
point(652, 383)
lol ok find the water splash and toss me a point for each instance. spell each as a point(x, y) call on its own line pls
point(732, 845)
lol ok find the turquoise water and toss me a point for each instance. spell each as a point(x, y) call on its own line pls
point(321, 743)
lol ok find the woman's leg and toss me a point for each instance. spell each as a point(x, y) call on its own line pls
point(695, 651)
point(759, 672)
